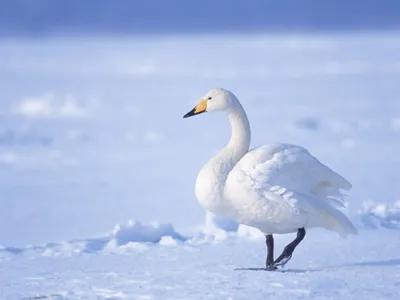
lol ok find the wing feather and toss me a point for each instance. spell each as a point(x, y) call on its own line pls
point(284, 168)
point(284, 177)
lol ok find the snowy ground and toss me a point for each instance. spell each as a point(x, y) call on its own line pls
point(92, 135)
point(323, 267)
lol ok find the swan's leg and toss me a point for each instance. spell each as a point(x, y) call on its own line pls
point(288, 251)
point(269, 240)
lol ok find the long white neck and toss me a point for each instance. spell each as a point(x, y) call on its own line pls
point(240, 138)
point(211, 179)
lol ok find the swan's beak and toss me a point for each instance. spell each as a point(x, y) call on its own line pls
point(200, 108)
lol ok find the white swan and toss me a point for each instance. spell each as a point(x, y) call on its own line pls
point(277, 188)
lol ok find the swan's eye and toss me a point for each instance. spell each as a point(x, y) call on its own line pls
point(209, 98)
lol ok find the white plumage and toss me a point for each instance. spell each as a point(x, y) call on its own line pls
point(277, 188)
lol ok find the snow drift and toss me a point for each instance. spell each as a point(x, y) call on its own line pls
point(218, 229)
point(128, 237)
point(376, 215)
point(135, 236)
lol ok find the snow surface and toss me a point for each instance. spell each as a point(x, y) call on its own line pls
point(380, 215)
point(324, 266)
point(92, 135)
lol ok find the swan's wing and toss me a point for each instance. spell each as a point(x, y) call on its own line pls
point(283, 168)
point(282, 181)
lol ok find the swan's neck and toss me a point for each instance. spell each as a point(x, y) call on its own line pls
point(211, 180)
point(240, 139)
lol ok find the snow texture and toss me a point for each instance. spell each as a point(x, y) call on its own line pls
point(47, 105)
point(376, 215)
point(323, 267)
point(122, 238)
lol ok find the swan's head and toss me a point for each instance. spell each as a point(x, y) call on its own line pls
point(214, 100)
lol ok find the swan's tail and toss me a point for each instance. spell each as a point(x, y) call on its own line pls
point(337, 221)
point(323, 214)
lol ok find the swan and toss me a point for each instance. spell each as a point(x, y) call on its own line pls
point(278, 188)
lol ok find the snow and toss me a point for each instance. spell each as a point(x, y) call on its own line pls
point(323, 267)
point(123, 238)
point(153, 261)
point(130, 155)
point(92, 135)
point(376, 215)
point(48, 105)
point(136, 232)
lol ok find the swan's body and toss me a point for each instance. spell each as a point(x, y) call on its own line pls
point(277, 188)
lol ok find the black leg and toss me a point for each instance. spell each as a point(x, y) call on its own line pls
point(269, 240)
point(288, 251)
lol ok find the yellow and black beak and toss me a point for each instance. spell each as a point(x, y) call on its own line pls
point(200, 108)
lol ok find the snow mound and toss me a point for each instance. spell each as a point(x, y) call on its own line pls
point(129, 235)
point(215, 229)
point(125, 238)
point(134, 231)
point(134, 236)
point(380, 215)
point(218, 229)
point(218, 226)
point(213, 224)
